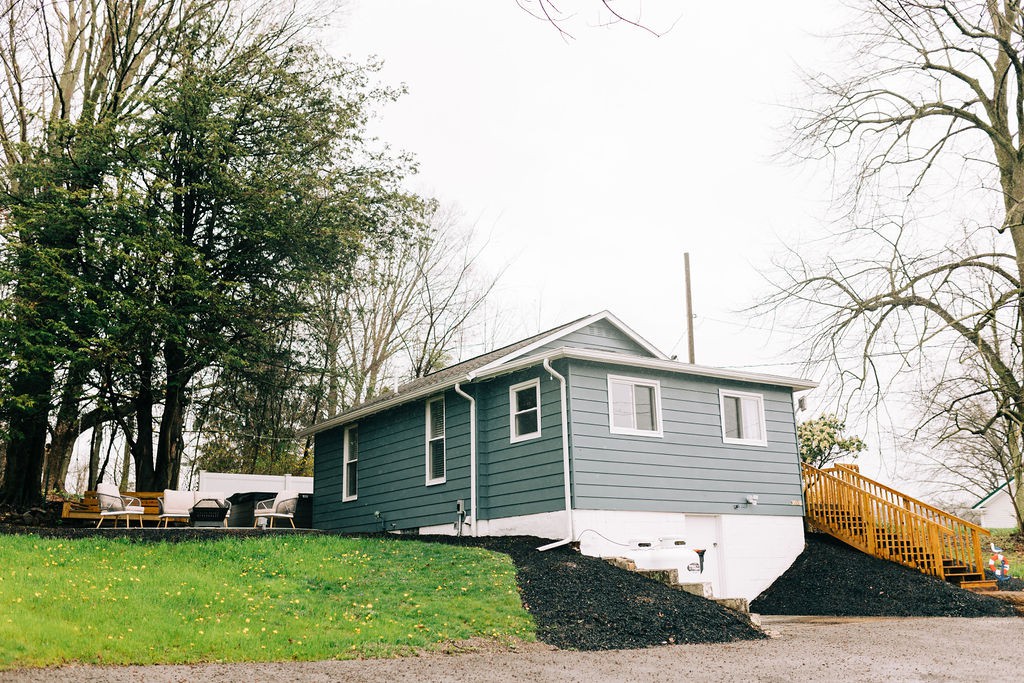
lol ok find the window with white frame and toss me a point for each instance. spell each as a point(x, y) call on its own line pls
point(350, 483)
point(743, 418)
point(524, 402)
point(435, 441)
point(634, 406)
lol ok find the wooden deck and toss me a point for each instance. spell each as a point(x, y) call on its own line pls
point(89, 508)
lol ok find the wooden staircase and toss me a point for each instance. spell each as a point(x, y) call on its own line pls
point(885, 523)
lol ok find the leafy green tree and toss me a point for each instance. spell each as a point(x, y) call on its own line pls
point(172, 240)
point(72, 70)
point(249, 179)
point(823, 442)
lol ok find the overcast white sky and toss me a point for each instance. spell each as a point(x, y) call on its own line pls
point(594, 163)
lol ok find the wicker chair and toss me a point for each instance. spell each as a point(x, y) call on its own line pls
point(282, 506)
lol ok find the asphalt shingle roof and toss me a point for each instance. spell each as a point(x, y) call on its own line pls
point(453, 372)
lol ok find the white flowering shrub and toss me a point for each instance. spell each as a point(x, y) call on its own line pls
point(822, 441)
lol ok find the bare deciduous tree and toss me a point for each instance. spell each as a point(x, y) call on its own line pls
point(402, 311)
point(932, 111)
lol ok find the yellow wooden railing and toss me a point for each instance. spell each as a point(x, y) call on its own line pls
point(886, 523)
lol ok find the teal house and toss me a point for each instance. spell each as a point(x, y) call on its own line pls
point(585, 434)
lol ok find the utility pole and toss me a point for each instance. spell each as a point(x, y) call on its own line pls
point(689, 305)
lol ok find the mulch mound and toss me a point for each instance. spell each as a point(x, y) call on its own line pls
point(584, 603)
point(832, 579)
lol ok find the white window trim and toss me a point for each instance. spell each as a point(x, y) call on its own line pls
point(444, 441)
point(722, 395)
point(657, 433)
point(345, 463)
point(512, 390)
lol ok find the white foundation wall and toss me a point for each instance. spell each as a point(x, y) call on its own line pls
point(744, 554)
point(543, 525)
point(755, 551)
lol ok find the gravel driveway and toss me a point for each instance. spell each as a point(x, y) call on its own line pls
point(805, 648)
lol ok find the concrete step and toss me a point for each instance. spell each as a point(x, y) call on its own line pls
point(670, 577)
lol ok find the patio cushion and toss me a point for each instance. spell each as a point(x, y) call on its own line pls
point(178, 502)
point(109, 498)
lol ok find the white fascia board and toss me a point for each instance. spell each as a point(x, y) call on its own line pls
point(398, 399)
point(603, 315)
point(510, 364)
point(611, 317)
point(651, 364)
point(518, 353)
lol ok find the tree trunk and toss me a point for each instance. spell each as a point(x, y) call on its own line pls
point(26, 446)
point(126, 460)
point(172, 422)
point(142, 445)
point(95, 445)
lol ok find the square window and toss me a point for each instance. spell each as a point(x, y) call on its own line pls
point(524, 401)
point(743, 420)
point(634, 406)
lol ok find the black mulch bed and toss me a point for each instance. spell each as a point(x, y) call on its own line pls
point(584, 603)
point(577, 602)
point(832, 579)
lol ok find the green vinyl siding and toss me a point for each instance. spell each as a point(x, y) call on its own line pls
point(688, 469)
point(524, 477)
point(392, 471)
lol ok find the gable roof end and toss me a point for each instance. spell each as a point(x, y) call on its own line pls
point(989, 496)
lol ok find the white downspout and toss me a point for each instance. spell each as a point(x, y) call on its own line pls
point(570, 537)
point(472, 454)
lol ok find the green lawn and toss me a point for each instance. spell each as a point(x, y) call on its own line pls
point(1013, 550)
point(265, 599)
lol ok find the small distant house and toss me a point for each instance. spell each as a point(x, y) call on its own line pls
point(995, 511)
point(583, 433)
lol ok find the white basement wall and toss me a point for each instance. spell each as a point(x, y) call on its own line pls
point(744, 555)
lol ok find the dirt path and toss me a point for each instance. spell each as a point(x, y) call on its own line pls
point(806, 648)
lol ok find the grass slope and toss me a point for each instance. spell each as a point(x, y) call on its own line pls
point(264, 599)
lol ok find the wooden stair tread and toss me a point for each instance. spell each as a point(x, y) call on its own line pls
point(980, 586)
point(890, 525)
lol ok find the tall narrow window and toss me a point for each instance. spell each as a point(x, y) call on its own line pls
point(435, 441)
point(743, 418)
point(634, 406)
point(350, 482)
point(524, 401)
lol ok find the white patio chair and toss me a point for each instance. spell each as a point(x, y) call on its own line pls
point(176, 505)
point(282, 506)
point(113, 504)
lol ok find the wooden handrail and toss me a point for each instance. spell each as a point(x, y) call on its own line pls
point(850, 470)
point(862, 512)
